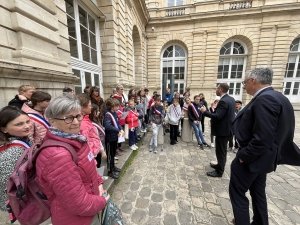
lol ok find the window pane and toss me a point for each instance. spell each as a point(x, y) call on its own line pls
point(296, 88)
point(78, 90)
point(181, 89)
point(295, 45)
point(94, 57)
point(170, 3)
point(96, 79)
point(70, 8)
point(84, 35)
point(85, 53)
point(73, 47)
point(77, 73)
point(88, 79)
point(71, 27)
point(93, 41)
point(179, 51)
point(92, 24)
point(287, 88)
point(82, 16)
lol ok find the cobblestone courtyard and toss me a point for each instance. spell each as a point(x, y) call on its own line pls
point(171, 188)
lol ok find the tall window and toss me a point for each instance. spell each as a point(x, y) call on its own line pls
point(173, 68)
point(84, 41)
point(174, 2)
point(292, 73)
point(231, 68)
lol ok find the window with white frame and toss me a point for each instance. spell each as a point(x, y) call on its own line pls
point(292, 73)
point(174, 3)
point(231, 68)
point(173, 63)
point(84, 39)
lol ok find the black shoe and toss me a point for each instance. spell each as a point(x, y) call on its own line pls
point(201, 146)
point(212, 165)
point(176, 141)
point(214, 174)
point(116, 169)
point(113, 175)
point(179, 135)
point(206, 145)
point(172, 142)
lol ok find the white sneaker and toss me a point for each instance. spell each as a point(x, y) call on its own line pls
point(105, 177)
point(116, 158)
point(212, 145)
point(136, 146)
point(132, 148)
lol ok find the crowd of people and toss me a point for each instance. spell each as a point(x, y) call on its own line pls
point(95, 128)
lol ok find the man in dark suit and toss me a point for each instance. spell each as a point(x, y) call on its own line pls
point(264, 130)
point(221, 123)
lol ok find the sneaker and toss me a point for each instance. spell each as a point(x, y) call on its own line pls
point(132, 148)
point(155, 150)
point(104, 177)
point(136, 146)
point(201, 146)
point(150, 148)
point(206, 145)
point(229, 149)
point(235, 150)
point(212, 145)
point(116, 158)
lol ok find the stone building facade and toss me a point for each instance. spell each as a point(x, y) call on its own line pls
point(219, 40)
point(53, 44)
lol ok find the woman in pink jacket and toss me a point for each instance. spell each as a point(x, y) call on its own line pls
point(75, 191)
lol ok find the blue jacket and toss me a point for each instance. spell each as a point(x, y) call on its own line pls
point(169, 98)
point(111, 132)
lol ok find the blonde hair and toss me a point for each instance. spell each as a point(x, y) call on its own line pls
point(24, 88)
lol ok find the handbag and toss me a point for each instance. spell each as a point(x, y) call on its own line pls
point(111, 215)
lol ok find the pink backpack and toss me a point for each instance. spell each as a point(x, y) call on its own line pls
point(27, 203)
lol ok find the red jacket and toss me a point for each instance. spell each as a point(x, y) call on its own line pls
point(120, 112)
point(132, 118)
point(72, 189)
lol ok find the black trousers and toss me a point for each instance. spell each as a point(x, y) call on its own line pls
point(242, 180)
point(111, 148)
point(221, 153)
point(236, 145)
point(98, 159)
point(202, 123)
point(173, 132)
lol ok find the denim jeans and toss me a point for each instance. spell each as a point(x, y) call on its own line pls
point(198, 133)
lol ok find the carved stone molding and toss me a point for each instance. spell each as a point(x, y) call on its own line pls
point(240, 5)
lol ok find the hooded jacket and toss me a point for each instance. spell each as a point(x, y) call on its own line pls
point(72, 189)
point(131, 118)
point(111, 131)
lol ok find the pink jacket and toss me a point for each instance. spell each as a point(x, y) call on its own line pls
point(87, 129)
point(120, 112)
point(72, 189)
point(37, 131)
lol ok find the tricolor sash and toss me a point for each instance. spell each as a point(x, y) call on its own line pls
point(175, 111)
point(99, 128)
point(196, 113)
point(156, 110)
point(39, 119)
point(20, 143)
point(184, 108)
point(113, 120)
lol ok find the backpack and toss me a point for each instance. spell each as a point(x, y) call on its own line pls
point(27, 203)
point(112, 214)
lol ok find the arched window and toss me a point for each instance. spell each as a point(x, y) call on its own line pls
point(173, 63)
point(231, 68)
point(292, 73)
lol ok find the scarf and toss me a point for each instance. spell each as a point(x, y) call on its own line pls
point(59, 133)
point(97, 98)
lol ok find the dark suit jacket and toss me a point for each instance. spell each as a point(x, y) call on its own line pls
point(222, 118)
point(265, 131)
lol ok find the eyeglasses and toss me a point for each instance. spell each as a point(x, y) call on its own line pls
point(245, 81)
point(70, 119)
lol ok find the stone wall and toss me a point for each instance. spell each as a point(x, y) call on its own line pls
point(34, 47)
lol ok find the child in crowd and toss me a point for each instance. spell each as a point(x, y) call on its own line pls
point(40, 101)
point(132, 121)
point(94, 117)
point(25, 92)
point(212, 109)
point(113, 130)
point(140, 110)
point(87, 128)
point(174, 114)
point(166, 105)
point(156, 118)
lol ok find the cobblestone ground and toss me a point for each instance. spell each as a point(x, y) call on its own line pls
point(171, 188)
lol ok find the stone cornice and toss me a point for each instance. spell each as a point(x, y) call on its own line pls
point(141, 9)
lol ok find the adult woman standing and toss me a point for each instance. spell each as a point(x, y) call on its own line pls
point(201, 103)
point(14, 131)
point(95, 96)
point(75, 191)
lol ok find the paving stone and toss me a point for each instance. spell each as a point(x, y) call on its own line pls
point(157, 197)
point(214, 209)
point(198, 202)
point(294, 217)
point(155, 210)
point(126, 207)
point(131, 195)
point(170, 219)
point(134, 186)
point(171, 195)
point(138, 216)
point(217, 220)
point(202, 215)
point(142, 203)
point(145, 192)
point(170, 206)
point(206, 187)
point(137, 178)
point(185, 218)
point(184, 205)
